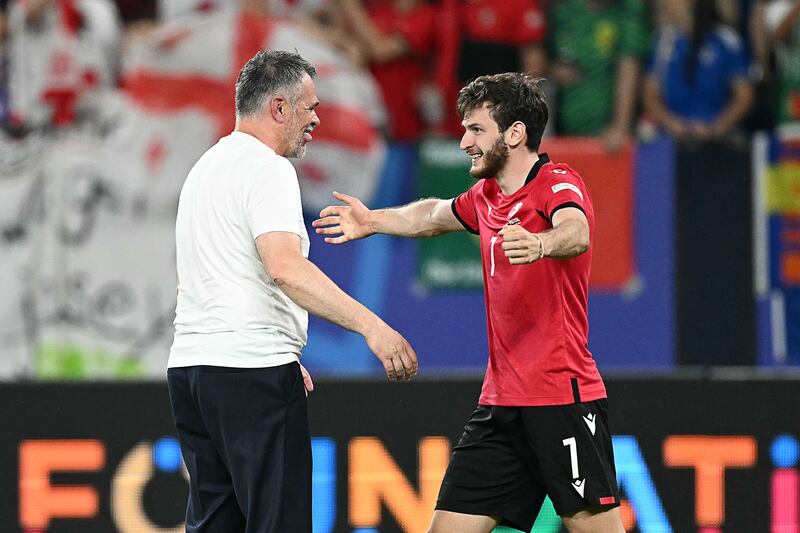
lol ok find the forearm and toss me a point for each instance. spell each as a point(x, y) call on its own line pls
point(625, 92)
point(307, 286)
point(568, 239)
point(736, 109)
point(655, 107)
point(380, 48)
point(417, 219)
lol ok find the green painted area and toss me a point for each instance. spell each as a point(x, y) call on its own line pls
point(451, 261)
point(70, 362)
point(547, 521)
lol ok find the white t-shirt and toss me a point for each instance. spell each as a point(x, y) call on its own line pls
point(229, 312)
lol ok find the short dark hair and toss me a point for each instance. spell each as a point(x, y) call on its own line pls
point(511, 97)
point(267, 73)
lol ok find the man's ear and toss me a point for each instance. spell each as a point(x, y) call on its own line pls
point(516, 134)
point(279, 108)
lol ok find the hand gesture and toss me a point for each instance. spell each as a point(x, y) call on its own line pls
point(307, 382)
point(350, 222)
point(521, 246)
point(393, 351)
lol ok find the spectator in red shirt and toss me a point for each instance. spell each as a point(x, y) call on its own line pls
point(398, 39)
point(480, 37)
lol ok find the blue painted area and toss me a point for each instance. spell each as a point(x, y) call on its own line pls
point(448, 330)
point(365, 530)
point(323, 494)
point(167, 455)
point(785, 451)
point(636, 483)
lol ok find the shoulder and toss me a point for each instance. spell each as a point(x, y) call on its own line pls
point(728, 38)
point(559, 172)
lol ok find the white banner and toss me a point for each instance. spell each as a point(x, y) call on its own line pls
point(87, 277)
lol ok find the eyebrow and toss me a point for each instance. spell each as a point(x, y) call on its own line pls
point(469, 125)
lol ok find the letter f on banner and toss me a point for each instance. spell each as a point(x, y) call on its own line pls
point(39, 501)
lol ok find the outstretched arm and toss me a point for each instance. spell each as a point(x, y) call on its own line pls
point(569, 238)
point(311, 289)
point(353, 221)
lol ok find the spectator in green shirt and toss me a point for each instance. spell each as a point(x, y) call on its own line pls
point(596, 47)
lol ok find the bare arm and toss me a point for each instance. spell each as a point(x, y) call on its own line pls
point(624, 103)
point(34, 10)
point(423, 218)
point(569, 238)
point(654, 105)
point(311, 289)
point(737, 108)
point(380, 48)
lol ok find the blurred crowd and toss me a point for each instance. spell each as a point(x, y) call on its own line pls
point(697, 69)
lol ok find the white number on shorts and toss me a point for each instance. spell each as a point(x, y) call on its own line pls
point(573, 455)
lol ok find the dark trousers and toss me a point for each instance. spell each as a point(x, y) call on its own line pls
point(246, 443)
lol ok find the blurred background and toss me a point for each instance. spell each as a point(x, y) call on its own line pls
point(683, 116)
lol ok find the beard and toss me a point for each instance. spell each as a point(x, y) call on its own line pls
point(493, 161)
point(297, 145)
point(294, 138)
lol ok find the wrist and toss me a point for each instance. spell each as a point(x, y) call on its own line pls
point(374, 218)
point(540, 253)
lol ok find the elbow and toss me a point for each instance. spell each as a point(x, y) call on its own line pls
point(281, 273)
point(582, 244)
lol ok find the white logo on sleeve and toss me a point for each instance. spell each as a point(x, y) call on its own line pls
point(561, 186)
point(579, 485)
point(591, 421)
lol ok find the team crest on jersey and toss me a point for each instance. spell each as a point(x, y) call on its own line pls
point(561, 186)
point(514, 210)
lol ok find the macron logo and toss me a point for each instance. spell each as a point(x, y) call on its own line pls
point(579, 485)
point(561, 186)
point(591, 421)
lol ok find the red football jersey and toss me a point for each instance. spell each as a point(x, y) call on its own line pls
point(536, 314)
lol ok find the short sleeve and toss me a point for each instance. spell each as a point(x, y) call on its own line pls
point(273, 200)
point(564, 189)
point(737, 63)
point(464, 209)
point(634, 34)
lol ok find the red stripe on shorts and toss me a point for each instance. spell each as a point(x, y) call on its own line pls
point(608, 500)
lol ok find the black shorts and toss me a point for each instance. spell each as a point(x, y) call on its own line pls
point(510, 458)
point(246, 443)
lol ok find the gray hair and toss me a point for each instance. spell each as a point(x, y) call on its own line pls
point(269, 72)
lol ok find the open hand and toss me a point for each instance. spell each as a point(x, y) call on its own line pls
point(393, 351)
point(348, 222)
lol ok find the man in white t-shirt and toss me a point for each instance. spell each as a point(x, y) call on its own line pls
point(245, 286)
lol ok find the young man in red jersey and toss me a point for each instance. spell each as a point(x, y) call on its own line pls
point(541, 424)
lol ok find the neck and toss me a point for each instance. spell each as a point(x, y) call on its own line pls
point(270, 137)
point(515, 172)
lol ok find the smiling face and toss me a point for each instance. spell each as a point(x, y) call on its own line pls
point(303, 120)
point(484, 143)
